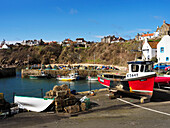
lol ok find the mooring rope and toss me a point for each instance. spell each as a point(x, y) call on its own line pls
point(149, 109)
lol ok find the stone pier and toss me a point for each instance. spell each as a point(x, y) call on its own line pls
point(54, 73)
point(7, 72)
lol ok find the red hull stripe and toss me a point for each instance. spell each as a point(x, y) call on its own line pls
point(141, 91)
point(104, 82)
point(142, 85)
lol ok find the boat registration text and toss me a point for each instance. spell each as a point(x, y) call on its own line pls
point(132, 75)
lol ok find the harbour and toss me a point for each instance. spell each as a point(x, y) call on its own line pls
point(35, 87)
point(105, 108)
point(84, 64)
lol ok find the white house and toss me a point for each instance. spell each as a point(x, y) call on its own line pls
point(116, 40)
point(163, 49)
point(5, 46)
point(148, 35)
point(80, 41)
point(149, 50)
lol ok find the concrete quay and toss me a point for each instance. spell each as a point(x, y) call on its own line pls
point(104, 113)
point(7, 72)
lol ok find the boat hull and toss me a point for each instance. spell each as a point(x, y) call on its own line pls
point(37, 77)
point(66, 79)
point(140, 87)
point(162, 79)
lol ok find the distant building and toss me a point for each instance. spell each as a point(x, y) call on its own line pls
point(67, 42)
point(81, 42)
point(163, 49)
point(147, 35)
point(149, 50)
point(5, 46)
point(108, 39)
point(2, 43)
point(164, 29)
point(18, 44)
point(119, 39)
point(30, 42)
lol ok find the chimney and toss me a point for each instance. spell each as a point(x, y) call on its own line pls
point(164, 21)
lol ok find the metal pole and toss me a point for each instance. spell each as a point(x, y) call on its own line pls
point(13, 96)
point(28, 60)
point(94, 58)
point(90, 83)
point(41, 92)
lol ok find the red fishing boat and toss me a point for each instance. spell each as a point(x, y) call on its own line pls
point(164, 80)
point(139, 81)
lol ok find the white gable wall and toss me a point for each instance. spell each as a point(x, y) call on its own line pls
point(163, 49)
point(147, 51)
point(5, 46)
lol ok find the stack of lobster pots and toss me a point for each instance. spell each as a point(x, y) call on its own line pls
point(64, 100)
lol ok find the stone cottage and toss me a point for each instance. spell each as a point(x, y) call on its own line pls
point(164, 29)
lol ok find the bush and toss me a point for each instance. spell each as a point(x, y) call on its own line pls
point(154, 59)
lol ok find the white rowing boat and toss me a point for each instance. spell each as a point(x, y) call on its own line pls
point(32, 103)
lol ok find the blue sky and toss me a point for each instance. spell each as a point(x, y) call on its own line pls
point(90, 19)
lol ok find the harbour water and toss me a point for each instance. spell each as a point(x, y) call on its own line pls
point(35, 87)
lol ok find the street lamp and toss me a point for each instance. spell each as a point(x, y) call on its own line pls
point(28, 61)
point(94, 58)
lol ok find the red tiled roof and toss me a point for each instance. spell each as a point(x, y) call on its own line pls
point(168, 24)
point(151, 34)
point(153, 44)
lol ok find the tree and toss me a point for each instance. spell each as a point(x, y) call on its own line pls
point(154, 59)
point(41, 42)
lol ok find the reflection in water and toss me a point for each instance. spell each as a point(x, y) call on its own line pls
point(72, 83)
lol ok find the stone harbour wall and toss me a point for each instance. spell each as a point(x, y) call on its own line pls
point(7, 72)
point(54, 73)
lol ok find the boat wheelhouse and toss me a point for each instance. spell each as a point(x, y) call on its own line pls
point(139, 80)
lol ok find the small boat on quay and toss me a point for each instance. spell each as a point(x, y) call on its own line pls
point(32, 103)
point(139, 81)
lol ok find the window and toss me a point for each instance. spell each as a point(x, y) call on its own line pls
point(148, 57)
point(142, 68)
point(167, 58)
point(148, 68)
point(162, 50)
point(135, 68)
